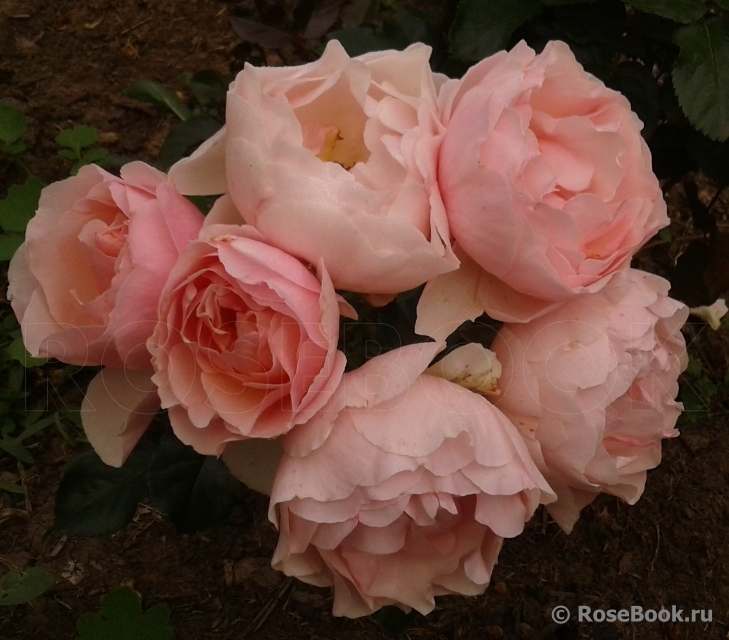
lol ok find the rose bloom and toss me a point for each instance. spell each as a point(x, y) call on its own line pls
point(246, 344)
point(86, 282)
point(591, 387)
point(546, 179)
point(402, 488)
point(335, 159)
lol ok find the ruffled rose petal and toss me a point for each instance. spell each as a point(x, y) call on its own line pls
point(246, 344)
point(334, 159)
point(402, 492)
point(116, 411)
point(591, 388)
point(546, 182)
point(449, 300)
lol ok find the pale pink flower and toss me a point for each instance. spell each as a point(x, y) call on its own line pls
point(335, 159)
point(547, 184)
point(591, 388)
point(86, 282)
point(401, 488)
point(246, 344)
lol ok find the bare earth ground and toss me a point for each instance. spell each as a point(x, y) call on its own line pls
point(66, 64)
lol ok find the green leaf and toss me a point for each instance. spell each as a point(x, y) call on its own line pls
point(16, 377)
point(67, 154)
point(9, 244)
point(694, 368)
point(601, 28)
point(204, 203)
point(410, 26)
point(95, 499)
point(91, 156)
point(9, 322)
point(483, 27)
point(16, 351)
point(701, 75)
point(113, 161)
point(12, 149)
point(155, 93)
point(194, 491)
point(184, 138)
point(20, 205)
point(18, 587)
point(77, 138)
point(12, 123)
point(724, 4)
point(684, 11)
point(16, 450)
point(357, 12)
point(208, 86)
point(35, 425)
point(94, 155)
point(122, 618)
point(11, 488)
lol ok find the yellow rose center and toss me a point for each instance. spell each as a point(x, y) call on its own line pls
point(335, 149)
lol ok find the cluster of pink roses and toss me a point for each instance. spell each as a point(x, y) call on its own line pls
point(521, 190)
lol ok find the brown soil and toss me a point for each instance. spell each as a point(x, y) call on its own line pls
point(67, 63)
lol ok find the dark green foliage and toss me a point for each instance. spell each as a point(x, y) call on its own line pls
point(95, 499)
point(194, 491)
point(483, 27)
point(19, 587)
point(15, 211)
point(122, 618)
point(20, 205)
point(185, 138)
point(683, 11)
point(155, 93)
point(77, 145)
point(401, 29)
point(12, 127)
point(199, 123)
point(701, 75)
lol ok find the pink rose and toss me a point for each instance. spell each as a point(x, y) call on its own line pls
point(246, 345)
point(591, 388)
point(335, 159)
point(86, 283)
point(546, 180)
point(402, 488)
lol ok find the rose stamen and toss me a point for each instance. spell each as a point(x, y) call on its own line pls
point(333, 151)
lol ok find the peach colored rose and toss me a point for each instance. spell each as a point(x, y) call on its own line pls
point(86, 283)
point(401, 488)
point(546, 180)
point(246, 344)
point(591, 388)
point(335, 159)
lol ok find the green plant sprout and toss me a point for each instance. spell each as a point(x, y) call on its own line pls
point(15, 211)
point(122, 618)
point(77, 145)
point(12, 128)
